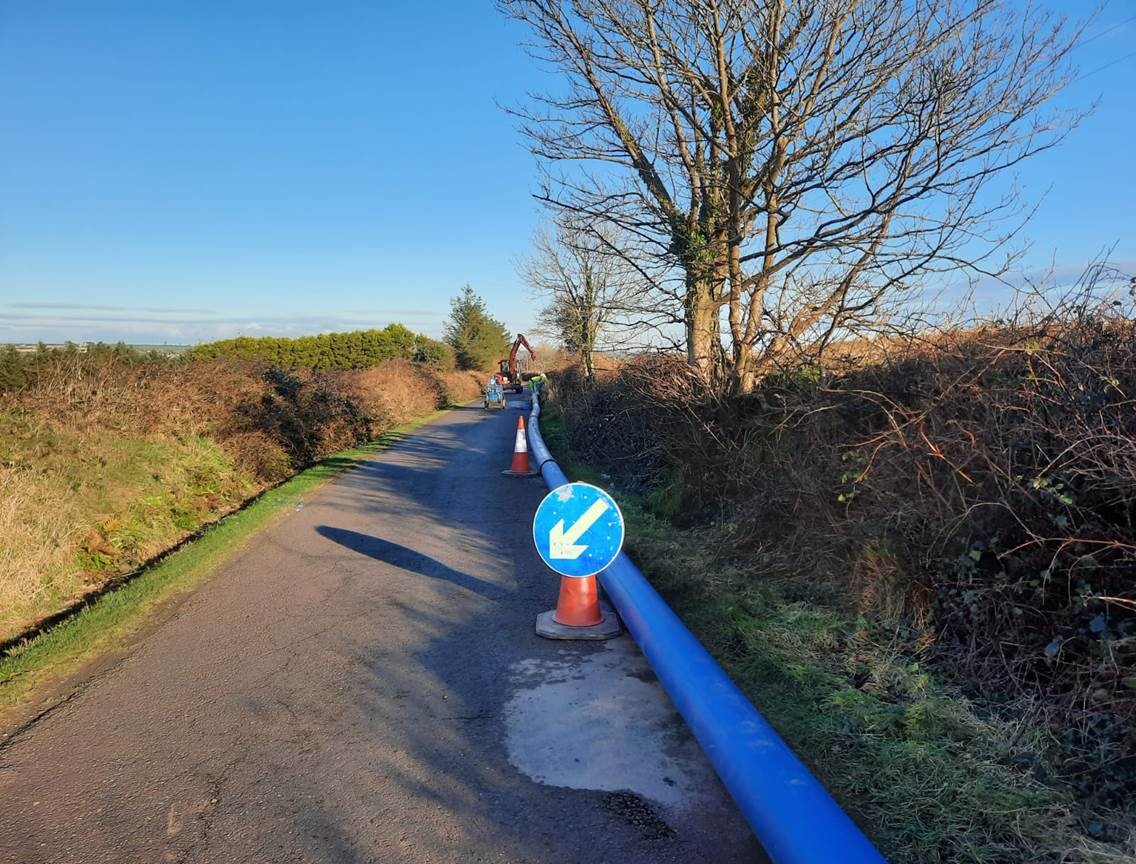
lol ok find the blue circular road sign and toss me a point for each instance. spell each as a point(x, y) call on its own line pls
point(578, 529)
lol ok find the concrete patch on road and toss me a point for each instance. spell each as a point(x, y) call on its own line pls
point(598, 719)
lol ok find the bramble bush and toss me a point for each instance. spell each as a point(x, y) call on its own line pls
point(975, 488)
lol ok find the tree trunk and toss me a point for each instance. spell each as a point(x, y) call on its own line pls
point(587, 343)
point(743, 373)
point(702, 332)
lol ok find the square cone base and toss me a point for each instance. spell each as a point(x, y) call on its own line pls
point(608, 628)
point(511, 473)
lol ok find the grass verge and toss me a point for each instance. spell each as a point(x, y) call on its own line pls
point(931, 776)
point(111, 619)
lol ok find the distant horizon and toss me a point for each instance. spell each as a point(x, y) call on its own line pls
point(78, 342)
point(51, 343)
point(994, 297)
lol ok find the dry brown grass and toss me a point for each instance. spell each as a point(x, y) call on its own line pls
point(457, 388)
point(394, 393)
point(977, 491)
point(40, 527)
point(107, 460)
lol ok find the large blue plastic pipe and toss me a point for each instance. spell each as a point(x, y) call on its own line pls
point(795, 819)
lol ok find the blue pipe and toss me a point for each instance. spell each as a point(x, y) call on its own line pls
point(795, 819)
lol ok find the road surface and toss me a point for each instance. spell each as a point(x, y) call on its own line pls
point(363, 684)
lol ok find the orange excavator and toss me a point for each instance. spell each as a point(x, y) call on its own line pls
point(508, 374)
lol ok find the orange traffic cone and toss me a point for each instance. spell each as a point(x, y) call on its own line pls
point(520, 467)
point(578, 614)
point(579, 602)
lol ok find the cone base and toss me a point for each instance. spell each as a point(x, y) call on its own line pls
point(511, 473)
point(608, 628)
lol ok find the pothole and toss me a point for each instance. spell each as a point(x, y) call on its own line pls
point(633, 810)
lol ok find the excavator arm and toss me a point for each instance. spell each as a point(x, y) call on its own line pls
point(517, 343)
point(509, 369)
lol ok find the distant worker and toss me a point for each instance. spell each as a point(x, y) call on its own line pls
point(537, 382)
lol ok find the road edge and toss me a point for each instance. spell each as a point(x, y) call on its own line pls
point(57, 663)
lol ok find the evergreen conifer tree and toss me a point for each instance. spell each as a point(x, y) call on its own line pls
point(478, 339)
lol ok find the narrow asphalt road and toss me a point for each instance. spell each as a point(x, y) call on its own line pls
point(363, 684)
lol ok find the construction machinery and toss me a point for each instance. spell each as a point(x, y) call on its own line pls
point(508, 373)
point(494, 394)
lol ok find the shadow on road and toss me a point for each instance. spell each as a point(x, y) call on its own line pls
point(407, 559)
point(324, 702)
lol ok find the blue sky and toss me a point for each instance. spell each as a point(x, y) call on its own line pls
point(174, 172)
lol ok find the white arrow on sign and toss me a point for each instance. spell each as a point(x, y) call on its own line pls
point(562, 544)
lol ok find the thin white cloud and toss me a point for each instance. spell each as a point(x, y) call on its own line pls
point(410, 313)
point(85, 307)
point(26, 318)
point(25, 327)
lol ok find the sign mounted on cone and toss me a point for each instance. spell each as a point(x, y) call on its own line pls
point(578, 529)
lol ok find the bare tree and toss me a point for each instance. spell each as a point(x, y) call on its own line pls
point(587, 282)
point(797, 162)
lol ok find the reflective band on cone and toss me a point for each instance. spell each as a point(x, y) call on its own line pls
point(579, 602)
point(520, 466)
